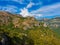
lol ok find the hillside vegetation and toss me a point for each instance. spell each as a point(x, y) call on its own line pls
point(17, 30)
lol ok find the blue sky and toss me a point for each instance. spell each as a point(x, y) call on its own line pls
point(36, 8)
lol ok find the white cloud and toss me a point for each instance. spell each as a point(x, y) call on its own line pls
point(46, 8)
point(49, 10)
point(30, 5)
point(36, 15)
point(19, 1)
point(9, 8)
point(24, 12)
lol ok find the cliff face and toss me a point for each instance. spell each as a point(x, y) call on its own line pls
point(18, 30)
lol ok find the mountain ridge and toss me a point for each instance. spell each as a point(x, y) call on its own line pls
point(18, 30)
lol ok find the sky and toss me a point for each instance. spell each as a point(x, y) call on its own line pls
point(36, 8)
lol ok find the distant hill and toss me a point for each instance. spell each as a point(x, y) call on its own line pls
point(18, 30)
point(54, 24)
